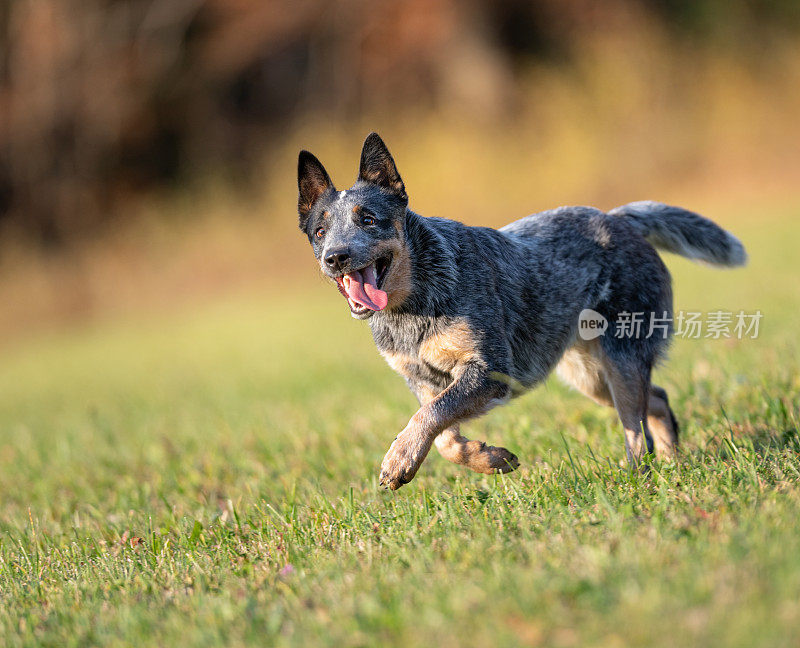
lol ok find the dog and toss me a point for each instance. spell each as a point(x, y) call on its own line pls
point(471, 316)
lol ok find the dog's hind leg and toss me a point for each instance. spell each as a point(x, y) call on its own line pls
point(662, 423)
point(476, 455)
point(587, 367)
point(630, 390)
point(472, 393)
point(582, 367)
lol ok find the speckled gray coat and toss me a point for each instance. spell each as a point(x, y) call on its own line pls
point(477, 315)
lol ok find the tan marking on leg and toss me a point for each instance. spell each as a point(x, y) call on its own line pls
point(631, 394)
point(405, 455)
point(582, 367)
point(587, 368)
point(472, 454)
point(456, 345)
point(659, 420)
point(411, 446)
point(475, 455)
point(471, 393)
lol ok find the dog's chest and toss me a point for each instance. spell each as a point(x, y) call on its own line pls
point(416, 370)
point(433, 356)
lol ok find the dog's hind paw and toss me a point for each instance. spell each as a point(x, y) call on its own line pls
point(475, 455)
point(494, 459)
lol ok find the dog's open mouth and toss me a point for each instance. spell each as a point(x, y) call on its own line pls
point(362, 288)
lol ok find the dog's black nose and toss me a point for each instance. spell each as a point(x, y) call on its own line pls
point(337, 258)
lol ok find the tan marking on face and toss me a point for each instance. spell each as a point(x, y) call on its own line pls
point(357, 209)
point(397, 283)
point(456, 345)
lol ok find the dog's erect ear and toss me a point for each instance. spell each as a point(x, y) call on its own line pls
point(313, 181)
point(378, 167)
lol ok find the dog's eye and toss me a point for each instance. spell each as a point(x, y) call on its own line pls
point(320, 232)
point(367, 220)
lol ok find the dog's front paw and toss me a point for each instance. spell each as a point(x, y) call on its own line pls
point(402, 461)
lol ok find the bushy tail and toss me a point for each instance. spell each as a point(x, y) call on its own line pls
point(683, 232)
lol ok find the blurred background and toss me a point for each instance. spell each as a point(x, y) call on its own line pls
point(148, 147)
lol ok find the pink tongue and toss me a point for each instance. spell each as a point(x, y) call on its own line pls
point(362, 288)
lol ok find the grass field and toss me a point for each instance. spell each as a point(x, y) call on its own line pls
point(210, 478)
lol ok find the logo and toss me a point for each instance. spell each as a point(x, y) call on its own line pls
point(591, 324)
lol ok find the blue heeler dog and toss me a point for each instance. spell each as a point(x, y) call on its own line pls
point(471, 316)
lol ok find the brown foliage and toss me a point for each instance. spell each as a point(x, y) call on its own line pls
point(101, 100)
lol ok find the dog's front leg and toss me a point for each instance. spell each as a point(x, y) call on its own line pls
point(472, 393)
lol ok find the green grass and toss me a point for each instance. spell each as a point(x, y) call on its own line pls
point(210, 479)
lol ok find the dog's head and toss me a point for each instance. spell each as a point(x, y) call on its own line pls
point(358, 235)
